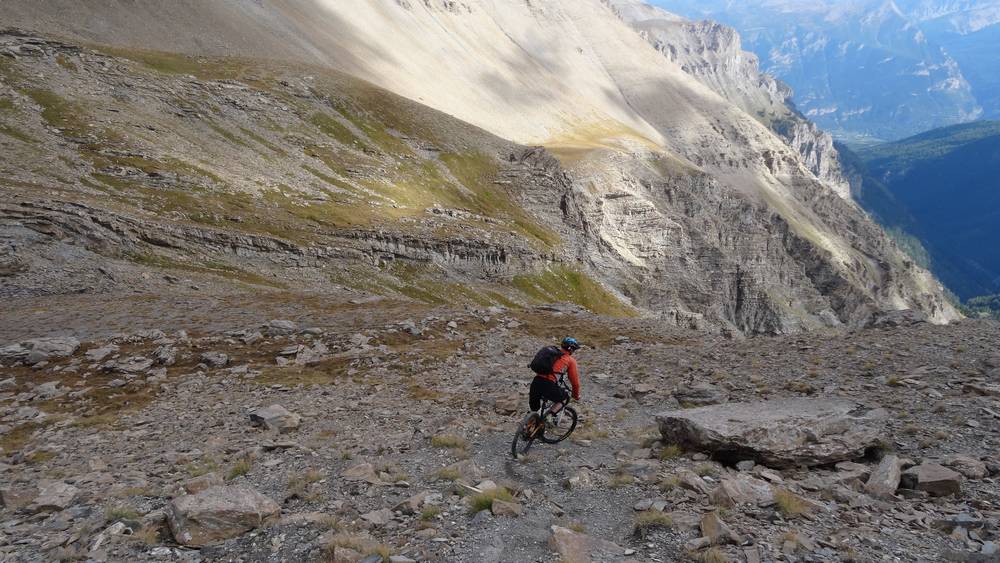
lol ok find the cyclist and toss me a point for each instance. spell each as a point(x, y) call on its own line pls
point(546, 386)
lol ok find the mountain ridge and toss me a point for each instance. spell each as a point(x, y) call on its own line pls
point(650, 152)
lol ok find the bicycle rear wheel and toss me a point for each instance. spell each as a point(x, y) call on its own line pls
point(554, 434)
point(527, 431)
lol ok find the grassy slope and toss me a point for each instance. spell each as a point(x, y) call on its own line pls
point(345, 156)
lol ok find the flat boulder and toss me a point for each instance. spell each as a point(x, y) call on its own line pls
point(779, 433)
point(936, 480)
point(700, 395)
point(219, 513)
point(968, 466)
point(277, 418)
point(38, 350)
point(581, 548)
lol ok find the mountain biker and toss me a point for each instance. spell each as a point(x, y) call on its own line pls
point(546, 386)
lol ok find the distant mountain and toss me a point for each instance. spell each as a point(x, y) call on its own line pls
point(941, 186)
point(873, 69)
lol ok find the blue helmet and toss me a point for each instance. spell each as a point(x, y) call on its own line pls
point(569, 343)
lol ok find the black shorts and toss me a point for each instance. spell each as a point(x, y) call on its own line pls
point(542, 388)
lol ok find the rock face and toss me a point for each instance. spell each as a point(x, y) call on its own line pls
point(713, 54)
point(779, 433)
point(679, 202)
point(218, 513)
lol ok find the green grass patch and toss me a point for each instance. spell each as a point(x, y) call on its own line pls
point(40, 456)
point(7, 104)
point(207, 267)
point(429, 513)
point(16, 133)
point(336, 130)
point(563, 284)
point(59, 112)
point(228, 135)
point(119, 513)
point(16, 438)
point(262, 141)
point(448, 474)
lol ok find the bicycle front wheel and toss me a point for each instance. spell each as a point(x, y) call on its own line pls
point(529, 429)
point(552, 434)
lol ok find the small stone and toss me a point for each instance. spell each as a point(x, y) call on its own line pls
point(280, 328)
point(504, 508)
point(643, 505)
point(215, 359)
point(379, 517)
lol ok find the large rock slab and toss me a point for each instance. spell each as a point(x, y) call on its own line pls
point(936, 480)
point(884, 480)
point(39, 349)
point(219, 513)
point(779, 433)
point(277, 418)
point(581, 548)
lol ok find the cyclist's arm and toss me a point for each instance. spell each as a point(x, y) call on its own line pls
point(574, 378)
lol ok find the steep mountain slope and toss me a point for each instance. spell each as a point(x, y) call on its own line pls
point(669, 194)
point(713, 54)
point(862, 69)
point(941, 187)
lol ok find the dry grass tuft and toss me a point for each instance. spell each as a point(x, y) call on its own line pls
point(651, 520)
point(484, 500)
point(789, 504)
point(449, 441)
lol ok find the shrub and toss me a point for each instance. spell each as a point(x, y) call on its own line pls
point(240, 468)
point(670, 452)
point(649, 521)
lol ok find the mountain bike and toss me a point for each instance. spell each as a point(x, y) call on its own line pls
point(544, 425)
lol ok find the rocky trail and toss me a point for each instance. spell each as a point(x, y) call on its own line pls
point(380, 430)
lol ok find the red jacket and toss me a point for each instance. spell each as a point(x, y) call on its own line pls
point(566, 364)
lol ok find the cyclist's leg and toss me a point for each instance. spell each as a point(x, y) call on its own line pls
point(555, 394)
point(535, 394)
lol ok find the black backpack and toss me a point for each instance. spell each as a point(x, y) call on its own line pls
point(545, 359)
